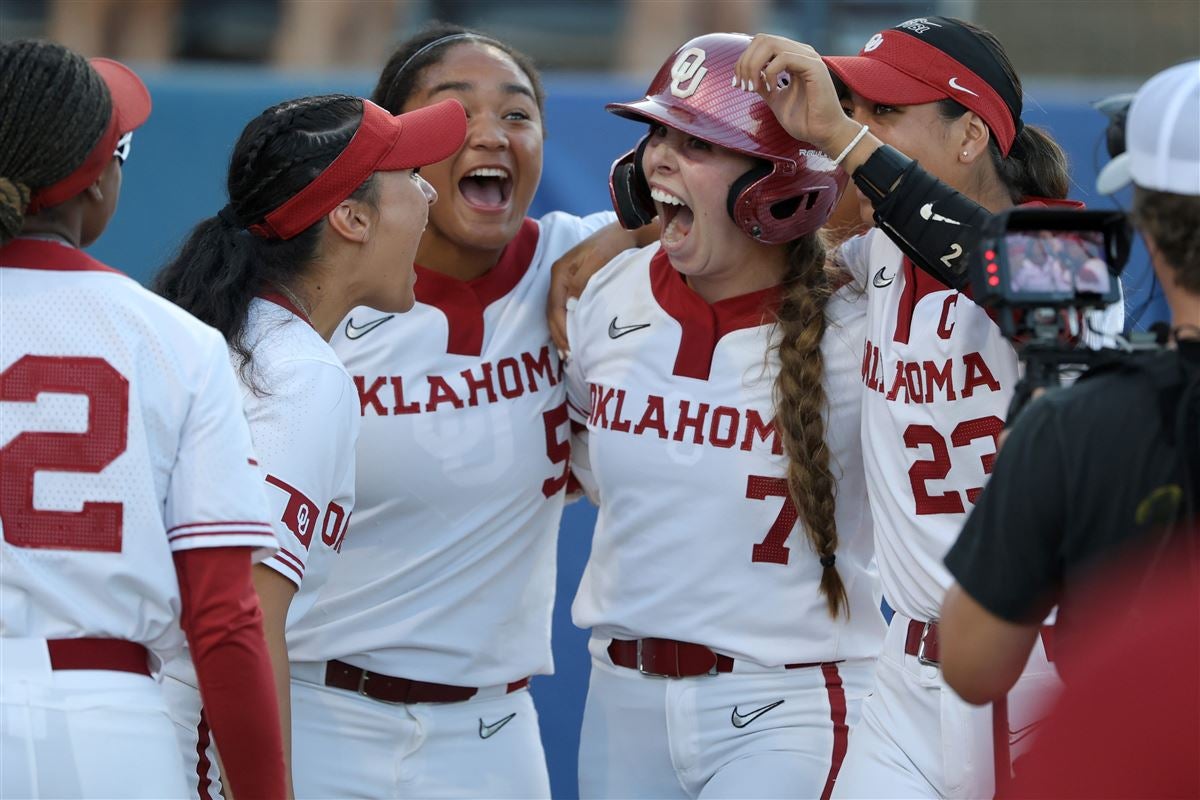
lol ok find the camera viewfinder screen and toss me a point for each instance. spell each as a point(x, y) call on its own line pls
point(1061, 263)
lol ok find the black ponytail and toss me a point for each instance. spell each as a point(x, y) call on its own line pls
point(221, 266)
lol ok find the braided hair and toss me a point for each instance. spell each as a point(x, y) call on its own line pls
point(221, 266)
point(402, 73)
point(53, 109)
point(801, 404)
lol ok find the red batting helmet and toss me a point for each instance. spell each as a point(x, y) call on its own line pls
point(794, 190)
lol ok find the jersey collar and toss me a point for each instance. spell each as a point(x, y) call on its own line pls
point(463, 302)
point(281, 301)
point(705, 324)
point(49, 255)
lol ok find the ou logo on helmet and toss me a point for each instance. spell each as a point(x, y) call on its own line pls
point(688, 69)
point(873, 42)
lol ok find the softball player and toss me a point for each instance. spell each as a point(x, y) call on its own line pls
point(331, 177)
point(421, 643)
point(129, 508)
point(937, 372)
point(718, 381)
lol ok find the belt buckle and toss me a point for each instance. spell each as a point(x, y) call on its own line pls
point(921, 647)
point(362, 690)
point(641, 667)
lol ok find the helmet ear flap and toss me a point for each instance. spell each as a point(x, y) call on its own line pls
point(751, 177)
point(629, 189)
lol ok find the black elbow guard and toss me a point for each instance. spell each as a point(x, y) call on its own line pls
point(931, 223)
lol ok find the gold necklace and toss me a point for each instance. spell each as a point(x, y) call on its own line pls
point(296, 302)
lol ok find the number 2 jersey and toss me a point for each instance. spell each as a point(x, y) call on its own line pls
point(938, 376)
point(123, 441)
point(449, 575)
point(696, 538)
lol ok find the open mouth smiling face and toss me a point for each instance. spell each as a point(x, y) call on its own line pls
point(676, 216)
point(487, 189)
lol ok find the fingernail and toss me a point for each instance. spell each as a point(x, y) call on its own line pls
point(562, 354)
point(733, 82)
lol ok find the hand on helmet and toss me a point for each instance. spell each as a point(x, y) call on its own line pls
point(804, 101)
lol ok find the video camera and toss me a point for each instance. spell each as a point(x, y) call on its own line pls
point(1041, 271)
point(1036, 266)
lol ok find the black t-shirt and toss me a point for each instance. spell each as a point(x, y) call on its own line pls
point(1086, 473)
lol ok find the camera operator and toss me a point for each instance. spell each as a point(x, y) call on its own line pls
point(1107, 467)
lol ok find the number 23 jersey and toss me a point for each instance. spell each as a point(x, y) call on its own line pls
point(696, 539)
point(938, 376)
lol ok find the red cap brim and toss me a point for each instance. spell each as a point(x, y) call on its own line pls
point(130, 97)
point(882, 83)
point(382, 143)
point(427, 136)
point(130, 108)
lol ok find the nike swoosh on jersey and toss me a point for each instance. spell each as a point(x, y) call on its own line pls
point(616, 331)
point(357, 331)
point(927, 212)
point(1023, 732)
point(879, 282)
point(742, 720)
point(487, 731)
point(954, 84)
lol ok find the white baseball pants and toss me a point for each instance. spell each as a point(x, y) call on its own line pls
point(917, 738)
point(201, 770)
point(81, 733)
point(346, 745)
point(763, 732)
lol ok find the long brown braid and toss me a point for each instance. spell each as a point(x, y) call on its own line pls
point(800, 406)
point(53, 109)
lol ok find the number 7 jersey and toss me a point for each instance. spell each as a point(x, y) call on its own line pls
point(697, 539)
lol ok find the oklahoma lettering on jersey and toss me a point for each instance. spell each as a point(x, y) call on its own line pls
point(461, 464)
point(697, 539)
point(939, 376)
point(121, 441)
point(726, 426)
point(486, 382)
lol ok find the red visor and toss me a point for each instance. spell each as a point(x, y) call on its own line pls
point(130, 108)
point(898, 69)
point(382, 143)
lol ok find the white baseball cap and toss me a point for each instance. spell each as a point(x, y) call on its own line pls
point(1162, 136)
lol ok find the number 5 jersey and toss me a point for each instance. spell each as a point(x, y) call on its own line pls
point(449, 573)
point(697, 539)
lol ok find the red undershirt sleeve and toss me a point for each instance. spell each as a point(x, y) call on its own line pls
point(224, 630)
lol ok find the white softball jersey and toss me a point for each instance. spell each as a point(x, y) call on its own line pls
point(461, 465)
point(123, 441)
point(696, 538)
point(938, 376)
point(303, 415)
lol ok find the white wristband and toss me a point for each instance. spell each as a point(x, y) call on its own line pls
point(857, 138)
